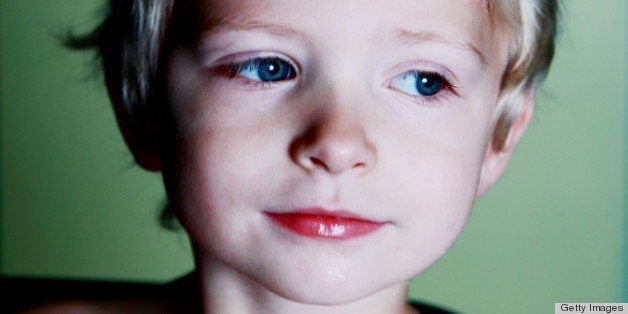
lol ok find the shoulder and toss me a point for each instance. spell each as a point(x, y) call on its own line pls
point(48, 295)
point(99, 307)
point(425, 308)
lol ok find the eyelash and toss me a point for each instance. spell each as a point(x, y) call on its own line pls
point(234, 69)
point(445, 87)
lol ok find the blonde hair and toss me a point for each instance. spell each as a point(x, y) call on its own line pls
point(532, 29)
point(131, 38)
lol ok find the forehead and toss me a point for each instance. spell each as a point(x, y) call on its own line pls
point(463, 21)
point(348, 26)
point(474, 10)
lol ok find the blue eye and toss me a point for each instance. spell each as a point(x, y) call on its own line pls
point(419, 83)
point(263, 69)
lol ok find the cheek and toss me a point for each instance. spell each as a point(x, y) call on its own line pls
point(441, 156)
point(214, 168)
point(434, 184)
point(442, 182)
point(205, 161)
point(227, 163)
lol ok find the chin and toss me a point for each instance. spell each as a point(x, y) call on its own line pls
point(333, 296)
point(325, 286)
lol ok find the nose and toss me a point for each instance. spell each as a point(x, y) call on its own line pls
point(334, 142)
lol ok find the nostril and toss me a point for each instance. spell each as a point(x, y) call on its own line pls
point(319, 163)
point(332, 148)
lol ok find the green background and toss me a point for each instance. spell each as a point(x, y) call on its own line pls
point(73, 205)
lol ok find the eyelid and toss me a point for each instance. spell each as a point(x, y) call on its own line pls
point(426, 100)
point(243, 57)
point(224, 67)
point(425, 67)
point(227, 67)
point(447, 81)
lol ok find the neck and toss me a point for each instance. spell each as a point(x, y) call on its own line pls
point(225, 290)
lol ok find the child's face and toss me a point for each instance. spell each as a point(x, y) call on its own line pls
point(381, 109)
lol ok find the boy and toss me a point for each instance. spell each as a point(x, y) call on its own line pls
point(319, 154)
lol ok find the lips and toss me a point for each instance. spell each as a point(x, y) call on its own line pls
point(319, 223)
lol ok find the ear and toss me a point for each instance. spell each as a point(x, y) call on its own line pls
point(140, 139)
point(496, 158)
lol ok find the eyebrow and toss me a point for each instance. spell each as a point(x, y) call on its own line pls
point(227, 24)
point(413, 38)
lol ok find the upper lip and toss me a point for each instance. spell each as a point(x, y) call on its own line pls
point(339, 213)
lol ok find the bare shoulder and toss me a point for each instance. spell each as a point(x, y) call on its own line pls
point(101, 307)
point(35, 295)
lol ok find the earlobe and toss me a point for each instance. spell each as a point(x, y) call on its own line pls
point(496, 158)
point(144, 149)
point(140, 139)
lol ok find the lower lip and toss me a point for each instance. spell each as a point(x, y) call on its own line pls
point(327, 227)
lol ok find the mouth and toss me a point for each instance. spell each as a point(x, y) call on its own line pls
point(321, 223)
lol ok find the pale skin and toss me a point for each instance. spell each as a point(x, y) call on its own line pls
point(342, 131)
